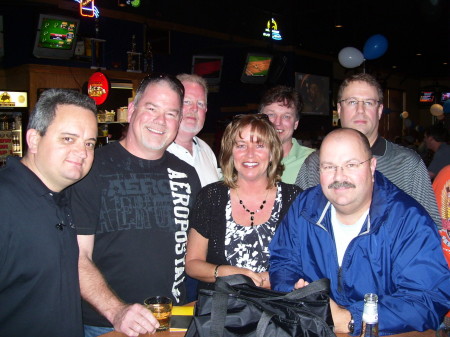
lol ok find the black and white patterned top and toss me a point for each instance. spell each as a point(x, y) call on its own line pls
point(248, 247)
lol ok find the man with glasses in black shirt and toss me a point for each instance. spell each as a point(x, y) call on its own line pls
point(360, 106)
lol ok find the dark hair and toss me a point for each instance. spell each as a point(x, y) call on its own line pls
point(369, 79)
point(287, 96)
point(438, 132)
point(45, 109)
point(263, 129)
point(155, 78)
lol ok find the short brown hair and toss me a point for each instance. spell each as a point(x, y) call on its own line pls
point(362, 77)
point(265, 133)
point(287, 96)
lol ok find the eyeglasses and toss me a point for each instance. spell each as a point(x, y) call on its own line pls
point(174, 82)
point(347, 167)
point(368, 103)
point(200, 104)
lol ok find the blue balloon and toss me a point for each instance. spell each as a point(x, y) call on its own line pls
point(447, 107)
point(387, 111)
point(375, 47)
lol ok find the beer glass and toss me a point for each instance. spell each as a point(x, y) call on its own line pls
point(161, 308)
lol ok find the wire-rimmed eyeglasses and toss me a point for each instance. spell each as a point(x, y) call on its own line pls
point(350, 166)
point(368, 103)
point(174, 82)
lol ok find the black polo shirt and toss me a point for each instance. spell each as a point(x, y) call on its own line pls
point(39, 287)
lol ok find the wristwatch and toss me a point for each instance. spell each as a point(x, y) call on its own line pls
point(351, 325)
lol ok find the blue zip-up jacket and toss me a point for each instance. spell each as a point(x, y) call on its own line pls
point(397, 255)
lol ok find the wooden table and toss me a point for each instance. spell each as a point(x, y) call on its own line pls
point(428, 333)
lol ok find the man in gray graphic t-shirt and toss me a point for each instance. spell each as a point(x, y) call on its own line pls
point(131, 214)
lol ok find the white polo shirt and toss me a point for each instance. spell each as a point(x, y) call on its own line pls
point(203, 159)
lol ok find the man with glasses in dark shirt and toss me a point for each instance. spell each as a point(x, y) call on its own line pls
point(360, 106)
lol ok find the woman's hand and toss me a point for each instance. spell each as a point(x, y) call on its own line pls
point(265, 280)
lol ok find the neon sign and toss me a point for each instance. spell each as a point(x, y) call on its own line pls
point(88, 8)
point(272, 30)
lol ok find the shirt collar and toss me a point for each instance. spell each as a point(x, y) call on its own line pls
point(28, 177)
point(379, 147)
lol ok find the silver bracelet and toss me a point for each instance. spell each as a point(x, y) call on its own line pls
point(216, 270)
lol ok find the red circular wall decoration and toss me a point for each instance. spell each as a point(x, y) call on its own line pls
point(98, 87)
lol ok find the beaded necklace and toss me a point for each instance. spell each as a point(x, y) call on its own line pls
point(252, 213)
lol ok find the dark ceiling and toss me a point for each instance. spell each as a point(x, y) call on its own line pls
point(410, 27)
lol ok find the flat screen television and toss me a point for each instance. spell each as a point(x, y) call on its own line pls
point(208, 67)
point(55, 37)
point(445, 96)
point(426, 97)
point(256, 68)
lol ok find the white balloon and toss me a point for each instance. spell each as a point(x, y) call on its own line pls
point(350, 57)
point(437, 110)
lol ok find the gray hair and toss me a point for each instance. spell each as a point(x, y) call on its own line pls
point(195, 79)
point(45, 109)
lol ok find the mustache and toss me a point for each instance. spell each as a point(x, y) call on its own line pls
point(339, 184)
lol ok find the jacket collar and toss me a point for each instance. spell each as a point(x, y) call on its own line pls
point(379, 208)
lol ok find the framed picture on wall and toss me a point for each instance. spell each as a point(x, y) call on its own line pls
point(314, 90)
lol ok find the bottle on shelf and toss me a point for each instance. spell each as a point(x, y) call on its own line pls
point(370, 316)
point(4, 122)
point(18, 121)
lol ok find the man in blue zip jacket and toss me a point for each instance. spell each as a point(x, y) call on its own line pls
point(367, 236)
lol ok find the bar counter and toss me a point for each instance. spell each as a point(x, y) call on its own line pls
point(428, 333)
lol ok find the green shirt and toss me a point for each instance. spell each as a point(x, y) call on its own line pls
point(294, 160)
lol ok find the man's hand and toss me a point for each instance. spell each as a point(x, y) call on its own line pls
point(341, 317)
point(300, 284)
point(134, 319)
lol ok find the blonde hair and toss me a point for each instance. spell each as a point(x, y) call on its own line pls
point(261, 131)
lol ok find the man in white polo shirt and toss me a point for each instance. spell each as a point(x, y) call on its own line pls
point(187, 146)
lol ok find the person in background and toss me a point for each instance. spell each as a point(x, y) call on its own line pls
point(233, 221)
point(366, 236)
point(360, 105)
point(282, 104)
point(187, 146)
point(193, 150)
point(436, 138)
point(39, 288)
point(131, 213)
